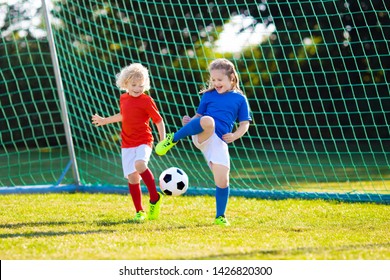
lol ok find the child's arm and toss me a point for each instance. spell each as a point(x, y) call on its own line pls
point(161, 130)
point(240, 131)
point(99, 121)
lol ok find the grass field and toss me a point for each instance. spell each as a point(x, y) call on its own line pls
point(97, 226)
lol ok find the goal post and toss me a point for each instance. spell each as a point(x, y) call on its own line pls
point(316, 75)
point(60, 90)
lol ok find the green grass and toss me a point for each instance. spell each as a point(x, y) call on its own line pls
point(98, 226)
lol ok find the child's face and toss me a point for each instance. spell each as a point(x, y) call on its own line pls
point(135, 87)
point(220, 81)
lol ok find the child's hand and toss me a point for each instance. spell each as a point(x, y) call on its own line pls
point(228, 137)
point(97, 120)
point(185, 120)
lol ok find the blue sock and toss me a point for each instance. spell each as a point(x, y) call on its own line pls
point(221, 197)
point(191, 128)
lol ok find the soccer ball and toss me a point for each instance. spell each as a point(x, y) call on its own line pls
point(173, 181)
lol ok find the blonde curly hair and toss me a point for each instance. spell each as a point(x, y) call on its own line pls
point(133, 71)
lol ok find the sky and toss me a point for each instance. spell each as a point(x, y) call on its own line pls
point(31, 20)
point(242, 31)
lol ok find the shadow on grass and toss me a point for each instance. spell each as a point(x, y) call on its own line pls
point(52, 233)
point(64, 223)
point(159, 227)
point(38, 224)
point(257, 254)
point(32, 233)
point(108, 223)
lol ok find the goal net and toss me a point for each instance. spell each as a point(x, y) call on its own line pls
point(316, 75)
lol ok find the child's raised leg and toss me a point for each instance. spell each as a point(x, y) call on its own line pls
point(197, 126)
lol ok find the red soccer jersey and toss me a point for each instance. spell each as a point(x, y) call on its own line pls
point(136, 113)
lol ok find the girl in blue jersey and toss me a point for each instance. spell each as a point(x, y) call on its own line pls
point(222, 103)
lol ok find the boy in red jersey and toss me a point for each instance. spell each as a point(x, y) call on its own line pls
point(136, 109)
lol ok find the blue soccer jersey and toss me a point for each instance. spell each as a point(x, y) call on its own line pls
point(225, 109)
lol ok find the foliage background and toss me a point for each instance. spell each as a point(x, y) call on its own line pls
point(338, 83)
point(317, 86)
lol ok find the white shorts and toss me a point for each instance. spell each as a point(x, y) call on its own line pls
point(214, 150)
point(131, 155)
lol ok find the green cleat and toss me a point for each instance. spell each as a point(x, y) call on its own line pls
point(165, 145)
point(154, 208)
point(222, 221)
point(140, 217)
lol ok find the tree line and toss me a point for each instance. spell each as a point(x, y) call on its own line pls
point(323, 73)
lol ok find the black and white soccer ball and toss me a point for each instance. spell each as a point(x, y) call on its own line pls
point(173, 181)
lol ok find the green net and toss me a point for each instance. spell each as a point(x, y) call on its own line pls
point(315, 74)
point(30, 119)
